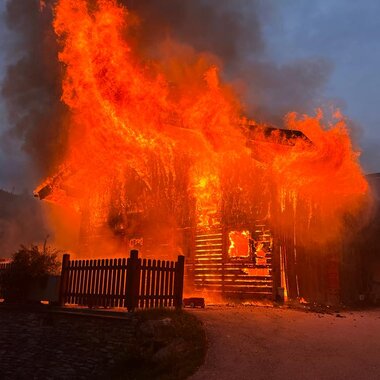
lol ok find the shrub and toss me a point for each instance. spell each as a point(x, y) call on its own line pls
point(30, 268)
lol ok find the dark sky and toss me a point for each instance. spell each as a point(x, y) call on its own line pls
point(345, 34)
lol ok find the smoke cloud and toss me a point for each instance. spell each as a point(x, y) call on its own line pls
point(31, 88)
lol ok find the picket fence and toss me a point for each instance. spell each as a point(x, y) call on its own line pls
point(127, 283)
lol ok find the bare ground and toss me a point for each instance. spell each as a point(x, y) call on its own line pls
point(247, 342)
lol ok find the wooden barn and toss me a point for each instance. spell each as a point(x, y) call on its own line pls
point(238, 246)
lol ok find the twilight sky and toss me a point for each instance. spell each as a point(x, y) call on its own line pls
point(345, 33)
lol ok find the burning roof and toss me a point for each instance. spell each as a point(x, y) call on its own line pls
point(275, 135)
point(254, 133)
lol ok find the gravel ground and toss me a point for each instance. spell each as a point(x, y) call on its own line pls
point(247, 342)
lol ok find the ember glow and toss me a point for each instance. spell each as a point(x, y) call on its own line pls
point(163, 145)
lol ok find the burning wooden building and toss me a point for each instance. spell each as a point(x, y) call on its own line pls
point(232, 245)
point(160, 159)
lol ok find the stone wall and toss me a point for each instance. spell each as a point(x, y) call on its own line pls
point(44, 344)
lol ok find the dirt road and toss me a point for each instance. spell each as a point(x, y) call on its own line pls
point(257, 343)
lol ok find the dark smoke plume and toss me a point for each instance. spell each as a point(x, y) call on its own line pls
point(31, 95)
point(31, 89)
point(218, 26)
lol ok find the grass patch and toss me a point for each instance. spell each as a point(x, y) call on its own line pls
point(145, 362)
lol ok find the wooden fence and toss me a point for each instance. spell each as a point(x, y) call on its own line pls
point(131, 283)
point(3, 267)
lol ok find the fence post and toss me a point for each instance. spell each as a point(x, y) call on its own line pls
point(133, 280)
point(64, 279)
point(178, 281)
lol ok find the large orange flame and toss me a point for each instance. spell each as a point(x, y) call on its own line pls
point(173, 125)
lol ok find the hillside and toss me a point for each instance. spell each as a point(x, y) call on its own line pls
point(21, 222)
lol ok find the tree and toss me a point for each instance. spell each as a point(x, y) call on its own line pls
point(30, 268)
